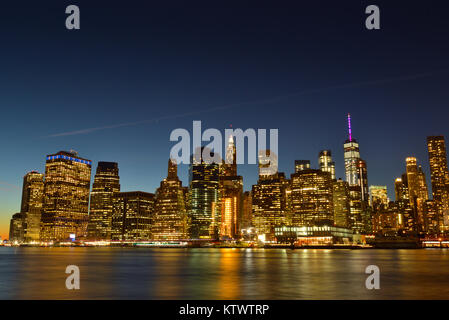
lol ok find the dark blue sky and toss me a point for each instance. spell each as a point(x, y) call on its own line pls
point(299, 67)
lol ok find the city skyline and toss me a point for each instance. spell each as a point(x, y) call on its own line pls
point(105, 187)
point(120, 102)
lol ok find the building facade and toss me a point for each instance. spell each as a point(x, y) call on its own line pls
point(170, 216)
point(66, 197)
point(132, 216)
point(341, 199)
point(106, 184)
point(325, 162)
point(204, 198)
point(270, 204)
point(311, 198)
point(439, 177)
point(31, 207)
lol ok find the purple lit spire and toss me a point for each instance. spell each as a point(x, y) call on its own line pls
point(349, 127)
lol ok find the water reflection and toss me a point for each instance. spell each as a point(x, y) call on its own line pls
point(143, 273)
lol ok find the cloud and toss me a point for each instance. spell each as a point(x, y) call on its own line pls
point(255, 102)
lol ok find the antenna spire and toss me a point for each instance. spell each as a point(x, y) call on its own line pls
point(349, 127)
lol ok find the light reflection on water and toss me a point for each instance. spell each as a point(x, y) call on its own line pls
point(151, 273)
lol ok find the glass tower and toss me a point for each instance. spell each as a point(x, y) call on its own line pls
point(204, 200)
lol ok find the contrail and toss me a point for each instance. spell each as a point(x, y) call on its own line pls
point(9, 186)
point(255, 102)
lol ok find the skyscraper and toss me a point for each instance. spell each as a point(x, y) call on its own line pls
point(418, 194)
point(423, 191)
point(247, 210)
point(204, 200)
point(311, 198)
point(351, 156)
point(16, 228)
point(301, 165)
point(132, 216)
point(325, 162)
point(356, 176)
point(362, 177)
point(269, 200)
point(106, 184)
point(401, 191)
point(170, 217)
point(31, 207)
point(412, 178)
point(439, 177)
point(231, 188)
point(340, 199)
point(357, 210)
point(66, 196)
point(379, 197)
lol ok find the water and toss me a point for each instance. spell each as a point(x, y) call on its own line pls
point(151, 273)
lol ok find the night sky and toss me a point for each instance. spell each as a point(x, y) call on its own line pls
point(139, 69)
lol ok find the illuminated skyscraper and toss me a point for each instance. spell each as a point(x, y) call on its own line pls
point(357, 210)
point(269, 200)
point(16, 228)
point(204, 199)
point(401, 191)
point(439, 177)
point(66, 196)
point(351, 156)
point(356, 176)
point(340, 199)
point(230, 166)
point(432, 220)
point(31, 208)
point(106, 184)
point(379, 197)
point(362, 178)
point(301, 165)
point(412, 178)
point(325, 162)
point(247, 210)
point(423, 191)
point(403, 202)
point(311, 198)
point(231, 188)
point(418, 194)
point(170, 217)
point(132, 215)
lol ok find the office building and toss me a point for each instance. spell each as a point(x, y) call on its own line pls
point(204, 197)
point(170, 215)
point(66, 197)
point(311, 198)
point(106, 184)
point(31, 207)
point(325, 162)
point(132, 216)
point(340, 199)
point(439, 177)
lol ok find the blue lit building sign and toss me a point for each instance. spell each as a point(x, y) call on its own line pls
point(69, 158)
